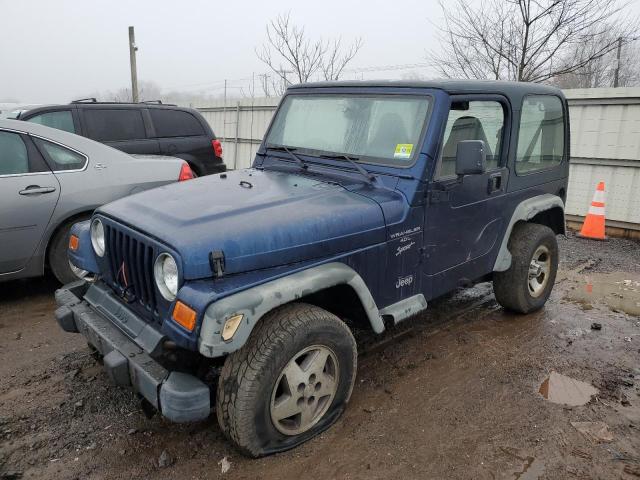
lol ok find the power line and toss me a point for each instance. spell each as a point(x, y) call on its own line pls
point(219, 84)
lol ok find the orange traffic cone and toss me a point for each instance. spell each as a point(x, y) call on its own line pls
point(593, 226)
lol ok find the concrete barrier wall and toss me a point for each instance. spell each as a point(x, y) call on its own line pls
point(605, 146)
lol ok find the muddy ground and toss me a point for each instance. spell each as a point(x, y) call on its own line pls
point(452, 394)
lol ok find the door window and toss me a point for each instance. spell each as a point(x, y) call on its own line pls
point(175, 123)
point(14, 159)
point(472, 120)
point(541, 134)
point(62, 120)
point(61, 158)
point(106, 125)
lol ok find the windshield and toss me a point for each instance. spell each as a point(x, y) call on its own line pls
point(385, 129)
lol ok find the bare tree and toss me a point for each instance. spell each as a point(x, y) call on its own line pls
point(336, 59)
point(271, 85)
point(527, 40)
point(629, 75)
point(289, 51)
point(601, 71)
point(148, 90)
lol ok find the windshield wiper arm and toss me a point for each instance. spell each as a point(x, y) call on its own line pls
point(352, 160)
point(282, 148)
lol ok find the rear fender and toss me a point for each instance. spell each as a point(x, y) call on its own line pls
point(525, 211)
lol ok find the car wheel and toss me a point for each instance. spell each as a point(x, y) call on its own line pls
point(289, 382)
point(527, 284)
point(59, 263)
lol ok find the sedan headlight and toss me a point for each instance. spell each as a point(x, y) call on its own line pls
point(165, 271)
point(97, 237)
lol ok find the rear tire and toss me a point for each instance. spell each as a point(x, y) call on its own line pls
point(527, 284)
point(58, 258)
point(299, 345)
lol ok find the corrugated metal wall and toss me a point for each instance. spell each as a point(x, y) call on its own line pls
point(240, 126)
point(605, 145)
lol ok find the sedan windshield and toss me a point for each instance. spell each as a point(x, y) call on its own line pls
point(381, 129)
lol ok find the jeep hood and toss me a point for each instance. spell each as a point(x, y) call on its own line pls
point(259, 219)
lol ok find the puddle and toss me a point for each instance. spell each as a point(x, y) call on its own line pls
point(619, 291)
point(565, 390)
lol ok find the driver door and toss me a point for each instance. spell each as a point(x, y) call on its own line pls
point(463, 217)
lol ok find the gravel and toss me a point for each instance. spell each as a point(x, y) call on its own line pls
point(613, 255)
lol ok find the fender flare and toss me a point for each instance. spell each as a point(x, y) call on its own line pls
point(255, 302)
point(526, 210)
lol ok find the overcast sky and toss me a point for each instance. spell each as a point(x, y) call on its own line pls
point(56, 50)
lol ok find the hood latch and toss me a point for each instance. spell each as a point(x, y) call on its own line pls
point(216, 260)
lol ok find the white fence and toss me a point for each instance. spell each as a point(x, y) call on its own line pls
point(240, 126)
point(605, 145)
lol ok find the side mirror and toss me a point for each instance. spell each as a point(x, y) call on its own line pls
point(471, 157)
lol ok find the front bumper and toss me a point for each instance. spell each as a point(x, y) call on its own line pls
point(93, 311)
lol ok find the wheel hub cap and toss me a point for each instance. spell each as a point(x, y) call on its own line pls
point(539, 269)
point(304, 390)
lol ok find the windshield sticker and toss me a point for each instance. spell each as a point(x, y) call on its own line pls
point(403, 150)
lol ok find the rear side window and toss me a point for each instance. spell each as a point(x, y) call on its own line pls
point(107, 125)
point(62, 120)
point(175, 123)
point(541, 134)
point(61, 158)
point(14, 159)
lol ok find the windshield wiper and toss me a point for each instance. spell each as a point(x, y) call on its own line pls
point(352, 160)
point(282, 148)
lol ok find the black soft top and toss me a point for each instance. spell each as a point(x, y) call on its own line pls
point(509, 89)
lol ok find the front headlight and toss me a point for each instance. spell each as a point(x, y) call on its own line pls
point(97, 237)
point(165, 271)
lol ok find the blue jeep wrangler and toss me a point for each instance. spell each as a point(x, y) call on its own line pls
point(365, 201)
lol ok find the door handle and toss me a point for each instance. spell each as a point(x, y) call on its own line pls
point(495, 183)
point(36, 190)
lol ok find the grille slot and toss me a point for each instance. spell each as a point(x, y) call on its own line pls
point(131, 266)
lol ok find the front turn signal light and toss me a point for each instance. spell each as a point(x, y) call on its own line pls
point(74, 243)
point(184, 316)
point(231, 326)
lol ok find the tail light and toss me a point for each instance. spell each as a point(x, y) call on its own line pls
point(185, 173)
point(217, 148)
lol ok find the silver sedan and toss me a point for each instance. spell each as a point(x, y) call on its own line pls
point(50, 179)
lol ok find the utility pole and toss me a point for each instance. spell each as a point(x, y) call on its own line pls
point(283, 76)
point(616, 77)
point(132, 59)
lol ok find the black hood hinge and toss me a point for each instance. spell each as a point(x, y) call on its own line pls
point(216, 260)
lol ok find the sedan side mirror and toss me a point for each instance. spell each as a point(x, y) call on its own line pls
point(471, 157)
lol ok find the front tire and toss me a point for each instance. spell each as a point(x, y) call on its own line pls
point(527, 284)
point(289, 382)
